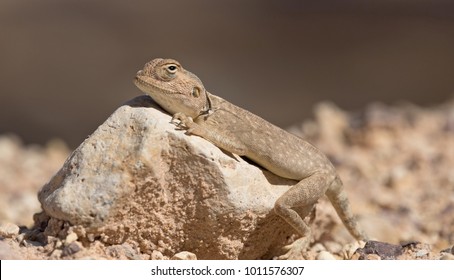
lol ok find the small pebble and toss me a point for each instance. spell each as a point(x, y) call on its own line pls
point(447, 256)
point(324, 255)
point(71, 249)
point(422, 253)
point(91, 237)
point(184, 256)
point(20, 238)
point(156, 255)
point(373, 257)
point(332, 246)
point(71, 238)
point(8, 230)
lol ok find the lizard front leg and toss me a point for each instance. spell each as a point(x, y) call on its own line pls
point(225, 140)
point(185, 122)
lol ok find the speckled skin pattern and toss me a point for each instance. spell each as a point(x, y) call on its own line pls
point(238, 131)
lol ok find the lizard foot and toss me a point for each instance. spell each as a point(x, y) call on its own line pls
point(296, 250)
point(183, 122)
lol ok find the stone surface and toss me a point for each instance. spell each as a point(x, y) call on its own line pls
point(8, 230)
point(373, 257)
point(71, 249)
point(123, 252)
point(447, 256)
point(325, 255)
point(156, 255)
point(138, 178)
point(383, 250)
point(184, 256)
point(422, 253)
point(70, 238)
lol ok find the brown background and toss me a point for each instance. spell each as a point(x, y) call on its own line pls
point(65, 66)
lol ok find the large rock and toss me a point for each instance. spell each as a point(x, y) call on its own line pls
point(139, 179)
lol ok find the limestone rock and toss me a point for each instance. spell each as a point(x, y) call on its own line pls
point(8, 230)
point(137, 178)
point(325, 255)
point(70, 238)
point(184, 256)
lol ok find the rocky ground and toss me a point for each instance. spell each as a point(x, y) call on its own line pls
point(396, 163)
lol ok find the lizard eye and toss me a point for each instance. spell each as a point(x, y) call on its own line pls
point(172, 68)
point(196, 92)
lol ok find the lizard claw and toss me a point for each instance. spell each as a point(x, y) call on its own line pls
point(182, 121)
point(295, 251)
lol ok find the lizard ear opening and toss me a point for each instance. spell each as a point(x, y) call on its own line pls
point(196, 92)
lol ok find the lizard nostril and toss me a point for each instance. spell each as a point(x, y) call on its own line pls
point(139, 73)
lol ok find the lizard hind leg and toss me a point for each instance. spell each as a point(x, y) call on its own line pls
point(338, 198)
point(304, 194)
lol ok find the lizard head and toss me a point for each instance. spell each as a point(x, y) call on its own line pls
point(173, 88)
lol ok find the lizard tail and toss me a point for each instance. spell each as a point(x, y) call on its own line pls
point(338, 198)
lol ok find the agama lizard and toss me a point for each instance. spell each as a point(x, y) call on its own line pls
point(239, 131)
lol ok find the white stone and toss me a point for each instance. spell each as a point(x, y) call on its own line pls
point(325, 255)
point(8, 230)
point(139, 178)
point(422, 253)
point(184, 256)
point(71, 238)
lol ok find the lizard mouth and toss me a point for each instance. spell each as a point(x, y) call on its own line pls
point(141, 84)
point(149, 88)
point(139, 80)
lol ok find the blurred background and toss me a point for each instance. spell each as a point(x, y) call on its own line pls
point(65, 66)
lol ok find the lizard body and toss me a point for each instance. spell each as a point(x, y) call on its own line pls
point(239, 131)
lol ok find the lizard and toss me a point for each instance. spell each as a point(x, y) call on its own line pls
point(238, 131)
